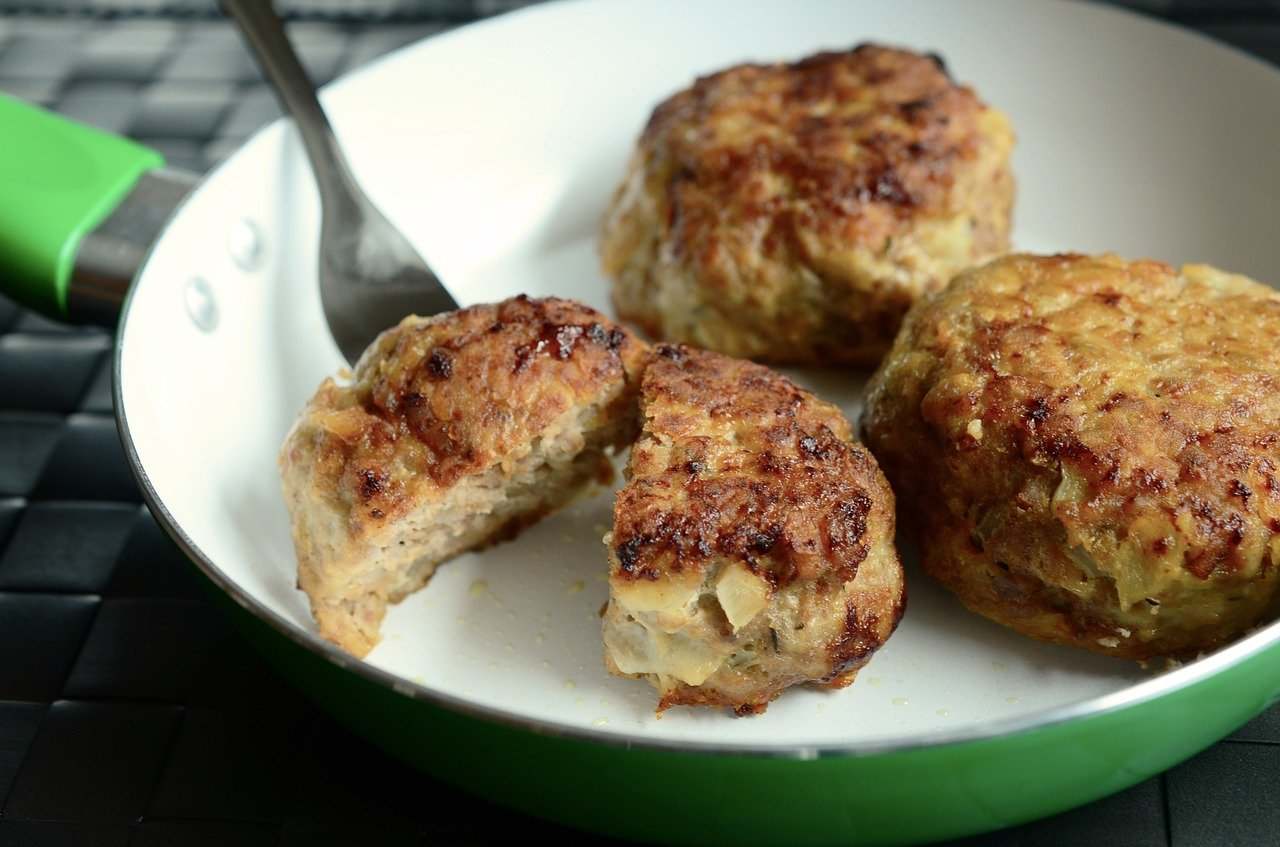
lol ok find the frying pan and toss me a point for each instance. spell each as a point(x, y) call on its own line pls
point(495, 148)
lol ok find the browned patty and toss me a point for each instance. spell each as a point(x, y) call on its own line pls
point(793, 212)
point(1090, 447)
point(752, 547)
point(455, 431)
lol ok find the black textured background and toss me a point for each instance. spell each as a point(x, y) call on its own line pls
point(129, 714)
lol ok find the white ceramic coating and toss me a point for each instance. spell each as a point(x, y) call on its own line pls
point(495, 148)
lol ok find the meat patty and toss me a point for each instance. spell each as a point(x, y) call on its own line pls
point(1090, 448)
point(455, 432)
point(752, 546)
point(793, 212)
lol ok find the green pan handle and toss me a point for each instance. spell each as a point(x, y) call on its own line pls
point(58, 181)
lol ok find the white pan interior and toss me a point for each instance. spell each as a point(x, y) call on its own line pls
point(495, 149)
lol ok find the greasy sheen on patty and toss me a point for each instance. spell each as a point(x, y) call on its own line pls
point(793, 212)
point(455, 432)
point(1091, 448)
point(752, 546)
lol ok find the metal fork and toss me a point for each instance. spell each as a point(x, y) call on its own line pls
point(370, 275)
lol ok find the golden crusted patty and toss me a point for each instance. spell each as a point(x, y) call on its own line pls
point(1090, 447)
point(752, 547)
point(793, 212)
point(455, 432)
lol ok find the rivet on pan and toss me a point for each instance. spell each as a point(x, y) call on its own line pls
point(201, 307)
point(245, 244)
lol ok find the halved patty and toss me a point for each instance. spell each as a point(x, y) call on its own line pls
point(1090, 448)
point(793, 212)
point(752, 547)
point(455, 432)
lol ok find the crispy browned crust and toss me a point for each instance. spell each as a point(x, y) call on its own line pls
point(802, 207)
point(1090, 448)
point(738, 466)
point(689, 695)
point(436, 399)
point(898, 122)
point(738, 462)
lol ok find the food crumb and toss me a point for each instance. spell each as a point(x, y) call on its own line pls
point(479, 588)
point(942, 713)
point(1124, 633)
point(974, 429)
point(873, 680)
point(900, 701)
point(576, 586)
point(568, 683)
point(600, 722)
point(1012, 699)
point(1109, 642)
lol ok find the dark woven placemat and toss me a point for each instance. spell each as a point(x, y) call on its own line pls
point(128, 711)
point(363, 11)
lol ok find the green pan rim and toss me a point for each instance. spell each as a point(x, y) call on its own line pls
point(1141, 693)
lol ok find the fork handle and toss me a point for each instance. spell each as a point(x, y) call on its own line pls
point(264, 33)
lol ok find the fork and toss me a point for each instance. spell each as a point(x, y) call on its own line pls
point(370, 275)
